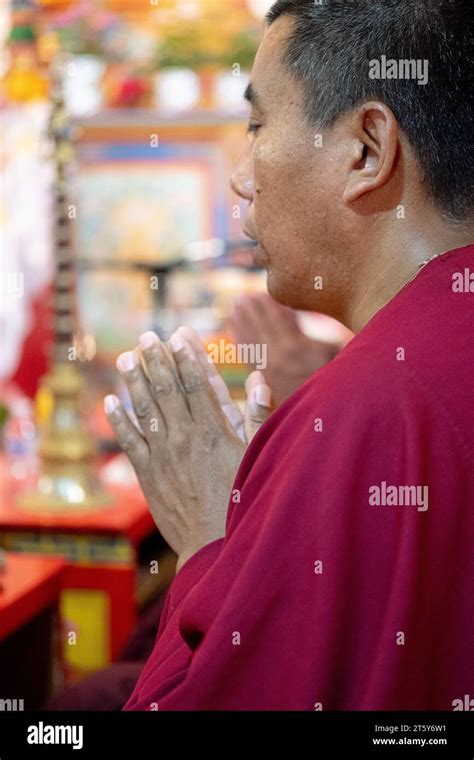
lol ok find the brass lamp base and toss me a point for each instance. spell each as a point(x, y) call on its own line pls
point(71, 489)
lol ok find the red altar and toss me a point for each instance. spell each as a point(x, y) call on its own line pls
point(98, 598)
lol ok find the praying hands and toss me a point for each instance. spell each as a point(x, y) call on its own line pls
point(191, 439)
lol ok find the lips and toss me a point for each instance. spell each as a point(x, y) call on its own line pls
point(248, 233)
point(259, 256)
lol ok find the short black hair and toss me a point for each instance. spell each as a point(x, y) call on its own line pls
point(330, 50)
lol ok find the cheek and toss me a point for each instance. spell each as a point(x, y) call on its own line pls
point(296, 188)
point(286, 192)
point(275, 165)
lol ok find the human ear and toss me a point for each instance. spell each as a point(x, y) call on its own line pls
point(374, 140)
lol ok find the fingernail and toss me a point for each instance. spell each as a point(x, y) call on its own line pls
point(147, 340)
point(251, 400)
point(176, 342)
point(263, 396)
point(252, 378)
point(127, 361)
point(111, 403)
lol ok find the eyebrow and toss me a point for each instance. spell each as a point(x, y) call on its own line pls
point(251, 97)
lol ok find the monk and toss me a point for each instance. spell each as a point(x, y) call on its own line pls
point(326, 556)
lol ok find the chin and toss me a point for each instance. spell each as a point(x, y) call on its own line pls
point(283, 291)
point(292, 294)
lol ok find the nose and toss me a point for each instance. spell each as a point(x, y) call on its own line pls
point(241, 180)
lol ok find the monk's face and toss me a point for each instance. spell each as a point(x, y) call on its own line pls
point(291, 182)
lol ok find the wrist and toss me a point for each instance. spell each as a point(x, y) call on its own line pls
point(187, 554)
point(190, 551)
point(182, 559)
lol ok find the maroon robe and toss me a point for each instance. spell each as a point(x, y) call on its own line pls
point(346, 577)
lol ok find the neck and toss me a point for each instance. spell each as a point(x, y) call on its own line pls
point(397, 258)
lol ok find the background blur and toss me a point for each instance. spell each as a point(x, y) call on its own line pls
point(155, 91)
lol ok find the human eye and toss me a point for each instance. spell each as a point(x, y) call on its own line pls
point(253, 128)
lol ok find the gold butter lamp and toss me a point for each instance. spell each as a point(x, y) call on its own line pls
point(68, 480)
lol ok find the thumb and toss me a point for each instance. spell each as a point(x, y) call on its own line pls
point(258, 406)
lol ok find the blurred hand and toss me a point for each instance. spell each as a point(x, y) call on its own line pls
point(291, 356)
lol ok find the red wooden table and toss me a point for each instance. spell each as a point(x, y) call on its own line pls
point(29, 584)
point(29, 594)
point(98, 598)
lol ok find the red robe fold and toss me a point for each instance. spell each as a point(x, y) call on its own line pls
point(346, 577)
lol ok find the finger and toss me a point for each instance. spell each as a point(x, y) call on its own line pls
point(147, 412)
point(276, 321)
point(130, 440)
point(227, 404)
point(201, 398)
point(259, 404)
point(238, 328)
point(165, 384)
point(288, 316)
point(261, 317)
point(254, 379)
point(241, 329)
point(246, 321)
